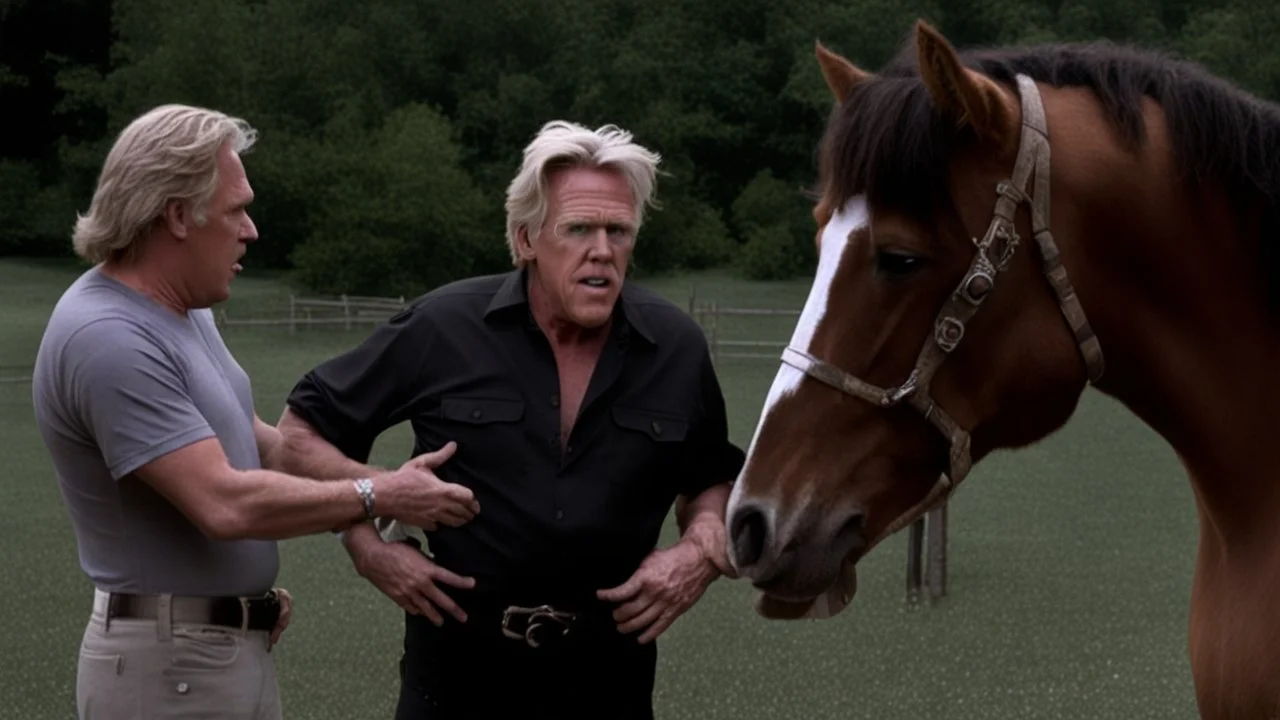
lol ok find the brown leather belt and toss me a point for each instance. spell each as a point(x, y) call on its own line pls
point(259, 613)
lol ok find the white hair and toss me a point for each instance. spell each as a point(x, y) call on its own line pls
point(560, 144)
point(169, 153)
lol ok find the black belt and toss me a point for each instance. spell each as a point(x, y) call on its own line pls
point(259, 613)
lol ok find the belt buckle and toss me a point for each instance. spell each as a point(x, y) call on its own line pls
point(265, 607)
point(538, 617)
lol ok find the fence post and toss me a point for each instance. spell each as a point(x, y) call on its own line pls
point(937, 560)
point(293, 313)
point(715, 333)
point(915, 541)
point(346, 312)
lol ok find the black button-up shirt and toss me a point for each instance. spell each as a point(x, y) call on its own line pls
point(467, 363)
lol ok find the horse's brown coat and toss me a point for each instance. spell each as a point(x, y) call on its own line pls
point(1166, 270)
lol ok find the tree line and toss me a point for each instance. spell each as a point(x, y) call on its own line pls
point(390, 128)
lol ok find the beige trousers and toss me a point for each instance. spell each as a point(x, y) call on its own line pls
point(153, 669)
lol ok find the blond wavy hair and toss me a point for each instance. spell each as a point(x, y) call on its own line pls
point(168, 153)
point(561, 144)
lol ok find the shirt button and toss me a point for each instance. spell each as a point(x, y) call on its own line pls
point(555, 401)
point(183, 688)
point(559, 514)
point(657, 428)
point(475, 414)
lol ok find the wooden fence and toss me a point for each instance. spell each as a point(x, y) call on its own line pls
point(924, 569)
point(347, 311)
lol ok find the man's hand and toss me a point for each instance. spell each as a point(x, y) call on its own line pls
point(409, 578)
point(666, 584)
point(415, 496)
point(286, 614)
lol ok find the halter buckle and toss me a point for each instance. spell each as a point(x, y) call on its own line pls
point(903, 391)
point(949, 333)
point(1011, 191)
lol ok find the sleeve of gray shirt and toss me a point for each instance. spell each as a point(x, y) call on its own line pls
point(129, 394)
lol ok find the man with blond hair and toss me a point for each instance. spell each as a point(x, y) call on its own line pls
point(582, 407)
point(172, 483)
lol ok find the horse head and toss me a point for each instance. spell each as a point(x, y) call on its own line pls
point(940, 324)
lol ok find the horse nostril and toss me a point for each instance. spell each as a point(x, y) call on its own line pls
point(750, 531)
point(850, 536)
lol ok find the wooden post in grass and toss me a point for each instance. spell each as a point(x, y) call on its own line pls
point(915, 551)
point(936, 568)
point(715, 332)
point(927, 564)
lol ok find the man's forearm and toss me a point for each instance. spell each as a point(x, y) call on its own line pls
point(706, 508)
point(701, 522)
point(272, 505)
point(304, 452)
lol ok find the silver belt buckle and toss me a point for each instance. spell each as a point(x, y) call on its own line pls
point(539, 617)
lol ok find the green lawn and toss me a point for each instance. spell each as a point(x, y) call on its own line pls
point(1070, 566)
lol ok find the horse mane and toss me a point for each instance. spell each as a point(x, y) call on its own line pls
point(887, 142)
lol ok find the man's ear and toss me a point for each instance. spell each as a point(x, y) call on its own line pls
point(524, 245)
point(178, 218)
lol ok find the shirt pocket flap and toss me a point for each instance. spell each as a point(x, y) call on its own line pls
point(659, 426)
point(480, 411)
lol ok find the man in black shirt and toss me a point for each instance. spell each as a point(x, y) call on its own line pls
point(577, 409)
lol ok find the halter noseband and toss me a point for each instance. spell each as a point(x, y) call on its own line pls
point(994, 252)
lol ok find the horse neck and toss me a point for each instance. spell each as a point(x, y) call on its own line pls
point(1167, 275)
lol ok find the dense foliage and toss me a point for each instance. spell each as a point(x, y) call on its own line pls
point(389, 128)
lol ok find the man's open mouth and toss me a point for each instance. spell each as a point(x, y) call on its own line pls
point(596, 282)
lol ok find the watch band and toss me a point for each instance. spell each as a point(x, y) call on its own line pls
point(364, 486)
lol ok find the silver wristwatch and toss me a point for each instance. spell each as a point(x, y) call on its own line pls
point(364, 486)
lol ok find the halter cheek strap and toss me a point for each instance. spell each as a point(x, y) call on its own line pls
point(993, 254)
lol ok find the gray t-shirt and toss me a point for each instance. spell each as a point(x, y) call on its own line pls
point(120, 381)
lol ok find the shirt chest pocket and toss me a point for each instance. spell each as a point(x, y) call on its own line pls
point(650, 443)
point(489, 432)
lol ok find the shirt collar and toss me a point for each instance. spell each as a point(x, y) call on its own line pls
point(514, 293)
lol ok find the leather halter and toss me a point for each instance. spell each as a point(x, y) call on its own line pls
point(994, 252)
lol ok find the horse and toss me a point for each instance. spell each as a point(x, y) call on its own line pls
point(970, 286)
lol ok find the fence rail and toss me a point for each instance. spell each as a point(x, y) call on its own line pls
point(346, 310)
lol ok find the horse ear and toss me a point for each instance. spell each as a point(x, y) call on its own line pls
point(841, 75)
point(968, 96)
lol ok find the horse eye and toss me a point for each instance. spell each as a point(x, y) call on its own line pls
point(897, 264)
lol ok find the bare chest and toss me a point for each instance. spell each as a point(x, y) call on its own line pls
point(575, 369)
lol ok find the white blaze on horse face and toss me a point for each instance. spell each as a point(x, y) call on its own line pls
point(835, 239)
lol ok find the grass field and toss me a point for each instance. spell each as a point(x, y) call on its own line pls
point(1070, 566)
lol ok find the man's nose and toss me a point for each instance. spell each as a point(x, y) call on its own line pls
point(248, 231)
point(598, 244)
